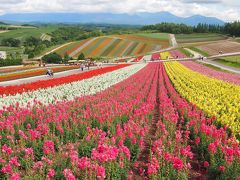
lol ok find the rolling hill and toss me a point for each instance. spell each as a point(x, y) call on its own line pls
point(116, 45)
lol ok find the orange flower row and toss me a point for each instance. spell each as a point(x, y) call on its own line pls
point(32, 73)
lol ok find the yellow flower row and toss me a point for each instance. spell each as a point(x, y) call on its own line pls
point(165, 55)
point(215, 97)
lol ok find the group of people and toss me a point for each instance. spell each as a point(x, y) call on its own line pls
point(83, 65)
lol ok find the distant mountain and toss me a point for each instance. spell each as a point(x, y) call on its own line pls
point(109, 18)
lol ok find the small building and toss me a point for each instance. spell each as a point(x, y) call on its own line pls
point(3, 55)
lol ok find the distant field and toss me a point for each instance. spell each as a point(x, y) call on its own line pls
point(224, 46)
point(161, 36)
point(233, 61)
point(116, 45)
point(199, 37)
point(23, 33)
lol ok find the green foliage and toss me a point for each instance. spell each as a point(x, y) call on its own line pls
point(229, 28)
point(170, 28)
point(81, 56)
point(11, 42)
point(232, 28)
point(186, 52)
point(134, 148)
point(199, 51)
point(10, 62)
point(85, 148)
point(52, 58)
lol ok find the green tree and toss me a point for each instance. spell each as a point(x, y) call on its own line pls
point(66, 58)
point(81, 56)
point(11, 42)
point(52, 58)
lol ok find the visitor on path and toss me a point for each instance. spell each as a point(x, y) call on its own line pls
point(82, 66)
point(88, 65)
point(49, 72)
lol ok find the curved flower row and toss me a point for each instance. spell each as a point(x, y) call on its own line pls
point(215, 97)
point(33, 72)
point(18, 89)
point(232, 78)
point(71, 90)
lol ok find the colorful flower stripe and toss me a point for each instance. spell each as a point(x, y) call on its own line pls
point(165, 55)
point(18, 89)
point(71, 90)
point(232, 78)
point(138, 59)
point(155, 57)
point(177, 54)
point(77, 46)
point(34, 72)
point(16, 69)
point(215, 97)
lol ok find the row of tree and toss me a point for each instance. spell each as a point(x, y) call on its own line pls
point(232, 29)
point(56, 58)
point(10, 62)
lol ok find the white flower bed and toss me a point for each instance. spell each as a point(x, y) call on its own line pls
point(71, 90)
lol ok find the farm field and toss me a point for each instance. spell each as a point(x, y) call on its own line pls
point(116, 46)
point(23, 33)
point(224, 46)
point(233, 61)
point(161, 36)
point(199, 37)
point(121, 122)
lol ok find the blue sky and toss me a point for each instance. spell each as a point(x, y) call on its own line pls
point(228, 10)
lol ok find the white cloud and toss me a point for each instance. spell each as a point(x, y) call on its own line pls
point(225, 9)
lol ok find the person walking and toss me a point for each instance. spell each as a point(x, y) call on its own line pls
point(49, 72)
point(82, 66)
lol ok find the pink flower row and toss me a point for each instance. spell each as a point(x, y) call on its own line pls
point(228, 77)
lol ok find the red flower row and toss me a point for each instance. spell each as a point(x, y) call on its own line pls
point(12, 90)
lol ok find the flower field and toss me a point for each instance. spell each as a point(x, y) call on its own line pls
point(20, 73)
point(113, 46)
point(232, 78)
point(217, 98)
point(121, 122)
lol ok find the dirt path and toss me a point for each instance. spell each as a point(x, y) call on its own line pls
point(173, 40)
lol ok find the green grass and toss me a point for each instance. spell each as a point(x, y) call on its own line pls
point(24, 33)
point(11, 50)
point(233, 61)
point(199, 51)
point(198, 37)
point(161, 36)
point(186, 52)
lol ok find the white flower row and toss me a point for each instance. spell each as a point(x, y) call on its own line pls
point(71, 90)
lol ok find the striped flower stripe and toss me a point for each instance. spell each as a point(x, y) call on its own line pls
point(94, 45)
point(165, 55)
point(111, 46)
point(155, 57)
point(71, 90)
point(232, 78)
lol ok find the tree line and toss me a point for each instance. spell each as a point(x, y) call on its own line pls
point(232, 29)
